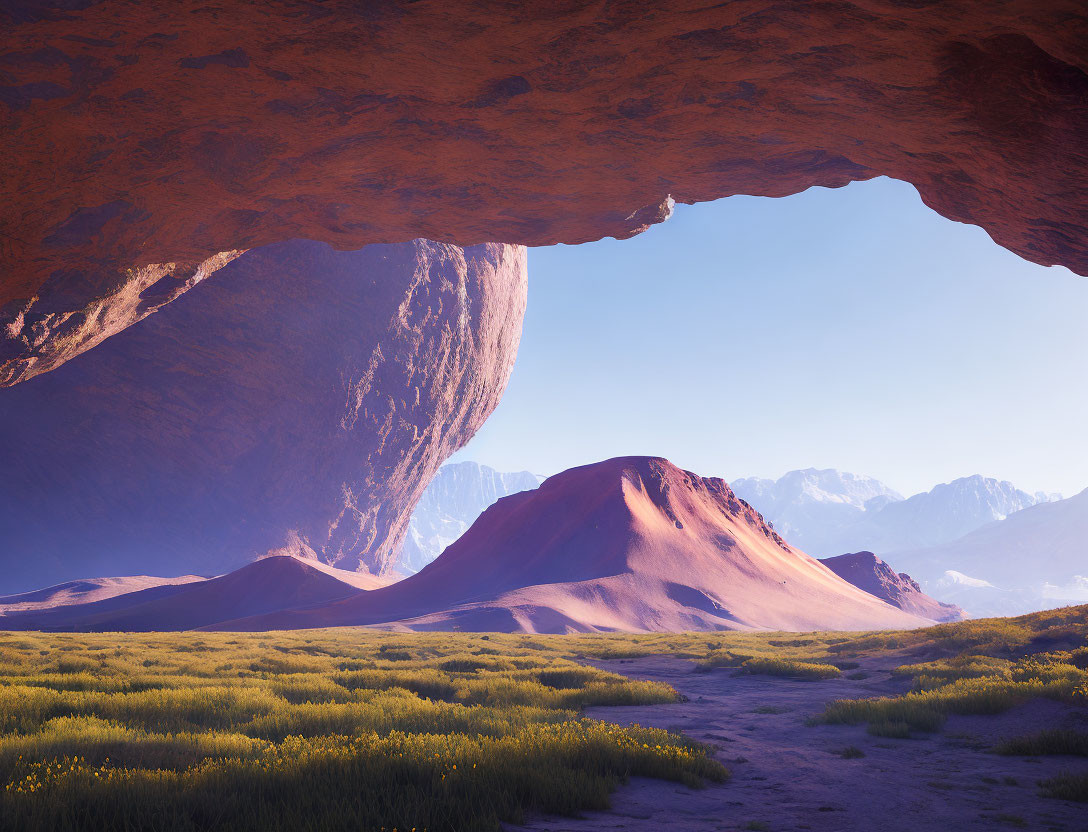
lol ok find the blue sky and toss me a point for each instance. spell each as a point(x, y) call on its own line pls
point(850, 328)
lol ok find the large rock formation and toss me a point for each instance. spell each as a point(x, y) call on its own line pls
point(868, 572)
point(146, 140)
point(301, 404)
point(632, 544)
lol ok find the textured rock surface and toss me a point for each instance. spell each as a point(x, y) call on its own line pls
point(868, 572)
point(632, 544)
point(301, 405)
point(148, 136)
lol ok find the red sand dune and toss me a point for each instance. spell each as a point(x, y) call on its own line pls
point(868, 572)
point(266, 585)
point(632, 543)
point(86, 591)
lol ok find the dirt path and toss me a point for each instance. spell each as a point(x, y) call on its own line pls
point(789, 776)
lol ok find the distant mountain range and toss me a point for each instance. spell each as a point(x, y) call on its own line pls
point(828, 512)
point(457, 495)
point(978, 542)
point(1033, 559)
point(812, 508)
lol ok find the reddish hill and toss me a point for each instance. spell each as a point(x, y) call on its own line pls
point(86, 591)
point(270, 584)
point(632, 543)
point(868, 572)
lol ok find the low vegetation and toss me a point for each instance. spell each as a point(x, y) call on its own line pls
point(360, 730)
point(771, 666)
point(1043, 743)
point(985, 667)
point(329, 730)
point(1067, 787)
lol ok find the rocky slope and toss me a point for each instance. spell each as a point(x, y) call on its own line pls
point(301, 404)
point(633, 544)
point(146, 145)
point(456, 496)
point(868, 572)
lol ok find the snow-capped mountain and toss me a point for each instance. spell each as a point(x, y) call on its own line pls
point(946, 512)
point(457, 495)
point(1033, 559)
point(814, 508)
point(827, 512)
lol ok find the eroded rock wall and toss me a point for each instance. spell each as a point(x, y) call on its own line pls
point(156, 136)
point(301, 404)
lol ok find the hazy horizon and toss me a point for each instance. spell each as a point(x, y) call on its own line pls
point(461, 458)
point(851, 328)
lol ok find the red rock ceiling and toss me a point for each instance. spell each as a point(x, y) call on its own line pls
point(144, 133)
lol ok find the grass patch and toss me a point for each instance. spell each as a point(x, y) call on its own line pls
point(1067, 786)
point(966, 684)
point(1043, 743)
point(445, 731)
point(337, 729)
point(788, 668)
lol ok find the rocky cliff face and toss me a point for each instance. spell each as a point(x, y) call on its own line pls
point(300, 405)
point(868, 572)
point(146, 142)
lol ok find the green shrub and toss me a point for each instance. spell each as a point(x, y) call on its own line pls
point(790, 668)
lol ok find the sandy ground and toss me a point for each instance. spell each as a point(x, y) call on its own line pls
point(787, 775)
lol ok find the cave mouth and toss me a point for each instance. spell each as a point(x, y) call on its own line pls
point(850, 328)
point(301, 399)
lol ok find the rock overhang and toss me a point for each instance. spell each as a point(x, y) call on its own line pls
point(139, 134)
